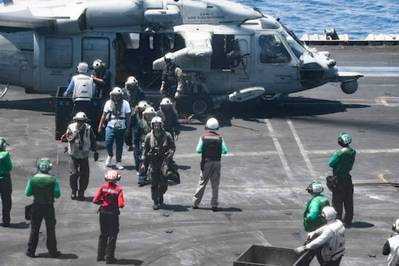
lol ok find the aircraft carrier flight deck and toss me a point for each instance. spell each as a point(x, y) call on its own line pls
point(276, 149)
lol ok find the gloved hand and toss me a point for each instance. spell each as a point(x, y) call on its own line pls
point(95, 156)
point(300, 249)
point(310, 236)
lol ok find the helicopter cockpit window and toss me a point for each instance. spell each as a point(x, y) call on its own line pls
point(296, 47)
point(95, 48)
point(58, 52)
point(272, 50)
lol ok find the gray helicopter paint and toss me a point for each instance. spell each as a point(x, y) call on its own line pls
point(198, 22)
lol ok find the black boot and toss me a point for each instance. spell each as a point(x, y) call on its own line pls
point(81, 195)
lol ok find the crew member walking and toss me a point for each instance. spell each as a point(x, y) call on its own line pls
point(116, 117)
point(211, 145)
point(159, 148)
point(82, 89)
point(81, 140)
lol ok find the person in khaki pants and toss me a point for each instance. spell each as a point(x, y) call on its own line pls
point(211, 146)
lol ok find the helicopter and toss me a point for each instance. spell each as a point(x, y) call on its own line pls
point(229, 52)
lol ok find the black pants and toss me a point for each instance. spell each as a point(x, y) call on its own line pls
point(329, 263)
point(159, 184)
point(79, 171)
point(342, 197)
point(109, 227)
point(40, 212)
point(5, 192)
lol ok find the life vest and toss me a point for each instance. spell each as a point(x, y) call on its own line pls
point(212, 146)
point(334, 248)
point(393, 258)
point(83, 89)
point(80, 146)
point(109, 198)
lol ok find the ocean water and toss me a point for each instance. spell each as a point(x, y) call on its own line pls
point(358, 18)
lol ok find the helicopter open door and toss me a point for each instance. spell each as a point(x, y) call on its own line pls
point(56, 57)
point(275, 65)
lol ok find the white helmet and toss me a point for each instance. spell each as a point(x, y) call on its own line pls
point(131, 81)
point(169, 57)
point(142, 105)
point(112, 176)
point(329, 213)
point(395, 226)
point(212, 124)
point(83, 67)
point(156, 119)
point(165, 101)
point(98, 63)
point(315, 187)
point(149, 110)
point(116, 91)
point(80, 116)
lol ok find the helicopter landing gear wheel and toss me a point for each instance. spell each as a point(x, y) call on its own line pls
point(200, 106)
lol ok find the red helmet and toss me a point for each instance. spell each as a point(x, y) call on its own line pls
point(112, 176)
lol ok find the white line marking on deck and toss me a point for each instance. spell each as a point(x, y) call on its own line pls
point(232, 154)
point(279, 149)
point(302, 149)
point(363, 151)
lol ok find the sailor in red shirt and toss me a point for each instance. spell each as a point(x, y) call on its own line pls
point(110, 197)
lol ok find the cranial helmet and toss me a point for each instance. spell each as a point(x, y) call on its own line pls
point(44, 165)
point(80, 116)
point(97, 64)
point(132, 81)
point(165, 101)
point(212, 124)
point(395, 226)
point(112, 176)
point(329, 213)
point(155, 120)
point(142, 105)
point(344, 139)
point(83, 68)
point(315, 187)
point(169, 57)
point(3, 143)
point(149, 113)
point(116, 91)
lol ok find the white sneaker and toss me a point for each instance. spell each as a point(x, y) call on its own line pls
point(108, 161)
point(119, 166)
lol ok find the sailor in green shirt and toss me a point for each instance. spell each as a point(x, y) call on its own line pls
point(341, 163)
point(5, 182)
point(312, 218)
point(44, 188)
point(211, 146)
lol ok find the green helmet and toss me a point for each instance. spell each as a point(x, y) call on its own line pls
point(44, 165)
point(2, 143)
point(344, 139)
point(315, 187)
